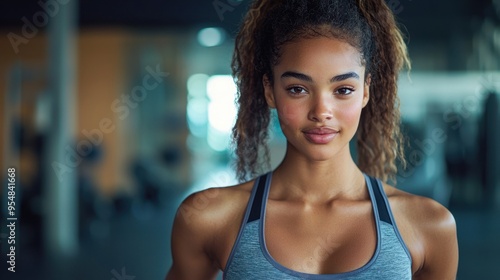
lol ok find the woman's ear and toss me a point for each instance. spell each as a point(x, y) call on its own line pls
point(268, 91)
point(366, 90)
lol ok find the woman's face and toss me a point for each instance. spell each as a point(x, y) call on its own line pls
point(319, 91)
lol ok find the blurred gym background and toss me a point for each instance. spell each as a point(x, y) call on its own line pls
point(113, 111)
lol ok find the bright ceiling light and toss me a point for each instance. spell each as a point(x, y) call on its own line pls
point(211, 37)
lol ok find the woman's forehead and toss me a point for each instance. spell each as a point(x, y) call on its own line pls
point(319, 53)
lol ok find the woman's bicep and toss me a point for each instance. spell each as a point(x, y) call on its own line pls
point(191, 261)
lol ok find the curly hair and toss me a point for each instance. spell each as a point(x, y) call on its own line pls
point(367, 25)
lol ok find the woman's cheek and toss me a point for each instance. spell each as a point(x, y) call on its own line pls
point(350, 114)
point(288, 114)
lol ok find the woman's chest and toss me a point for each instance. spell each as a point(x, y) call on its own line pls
point(320, 241)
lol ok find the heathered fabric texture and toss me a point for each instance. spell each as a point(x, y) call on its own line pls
point(250, 259)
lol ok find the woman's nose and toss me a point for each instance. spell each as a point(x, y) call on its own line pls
point(321, 109)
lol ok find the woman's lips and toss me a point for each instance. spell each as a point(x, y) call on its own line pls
point(320, 135)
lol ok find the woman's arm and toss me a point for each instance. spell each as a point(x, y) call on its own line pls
point(440, 241)
point(190, 236)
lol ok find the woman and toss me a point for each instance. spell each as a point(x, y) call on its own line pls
point(329, 68)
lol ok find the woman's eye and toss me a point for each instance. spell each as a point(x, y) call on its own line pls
point(296, 90)
point(344, 91)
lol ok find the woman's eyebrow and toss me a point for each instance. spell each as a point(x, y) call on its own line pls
point(306, 78)
point(345, 76)
point(300, 76)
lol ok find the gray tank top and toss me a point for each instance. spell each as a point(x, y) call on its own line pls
point(250, 259)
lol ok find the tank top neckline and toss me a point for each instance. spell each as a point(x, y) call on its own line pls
point(267, 255)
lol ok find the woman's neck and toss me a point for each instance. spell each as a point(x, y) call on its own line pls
point(302, 179)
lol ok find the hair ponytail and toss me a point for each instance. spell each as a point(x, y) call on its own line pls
point(380, 142)
point(250, 131)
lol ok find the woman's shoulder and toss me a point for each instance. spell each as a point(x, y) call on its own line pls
point(429, 230)
point(212, 210)
point(206, 222)
point(418, 208)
